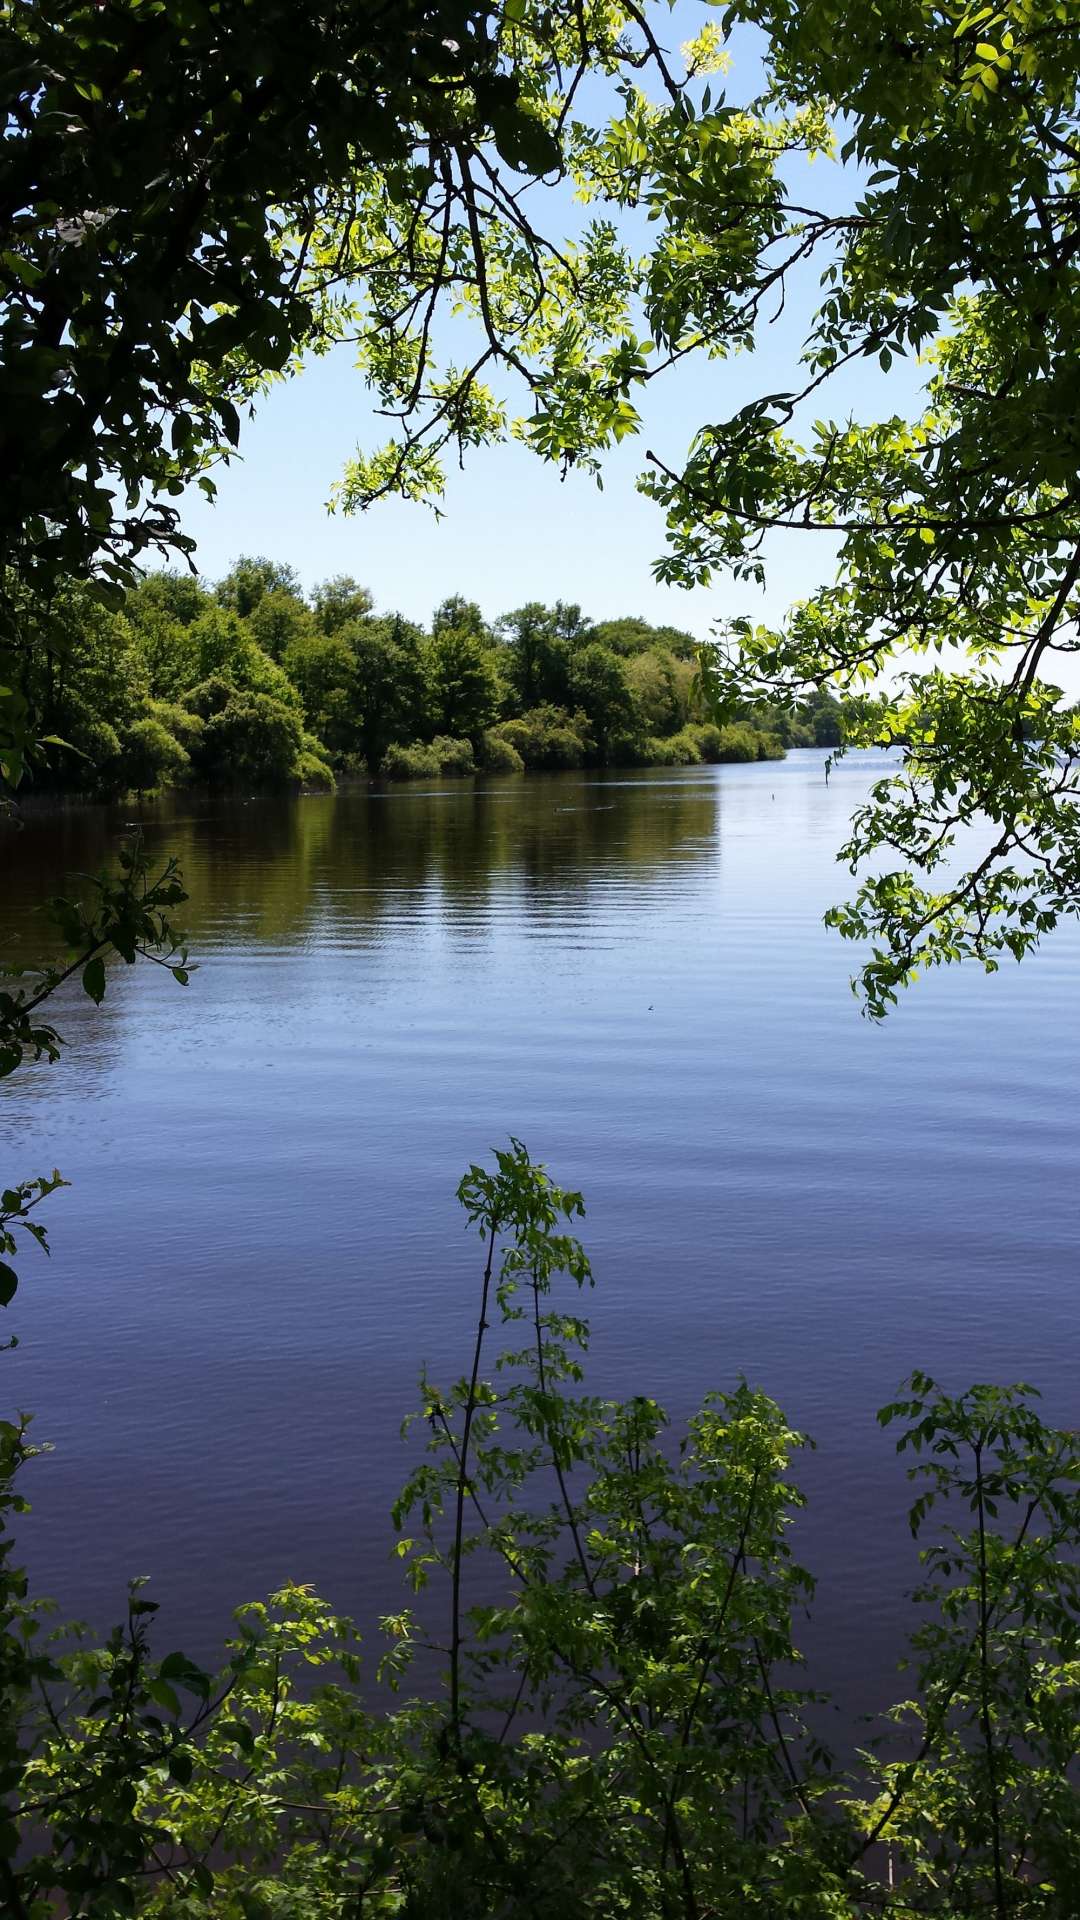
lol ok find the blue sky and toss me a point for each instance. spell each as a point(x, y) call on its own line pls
point(512, 529)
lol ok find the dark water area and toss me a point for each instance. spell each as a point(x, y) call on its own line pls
point(261, 1242)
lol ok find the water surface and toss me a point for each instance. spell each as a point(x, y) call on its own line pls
point(629, 972)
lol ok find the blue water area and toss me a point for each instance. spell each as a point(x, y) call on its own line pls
point(261, 1244)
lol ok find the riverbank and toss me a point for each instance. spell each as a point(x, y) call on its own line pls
point(520, 747)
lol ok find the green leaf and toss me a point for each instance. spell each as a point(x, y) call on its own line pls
point(163, 1696)
point(9, 1281)
point(525, 143)
point(178, 1667)
point(93, 979)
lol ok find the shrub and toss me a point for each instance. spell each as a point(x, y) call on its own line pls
point(499, 755)
point(708, 740)
point(184, 725)
point(687, 746)
point(678, 750)
point(415, 762)
point(313, 772)
point(453, 756)
point(738, 742)
point(548, 736)
point(250, 741)
point(151, 757)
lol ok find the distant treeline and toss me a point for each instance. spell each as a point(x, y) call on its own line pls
point(251, 684)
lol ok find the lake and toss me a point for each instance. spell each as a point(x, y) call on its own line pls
point(629, 971)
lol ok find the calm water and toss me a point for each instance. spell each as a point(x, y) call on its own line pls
point(261, 1243)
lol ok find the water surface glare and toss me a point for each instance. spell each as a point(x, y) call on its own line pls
point(261, 1243)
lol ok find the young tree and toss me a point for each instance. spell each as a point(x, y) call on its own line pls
point(661, 687)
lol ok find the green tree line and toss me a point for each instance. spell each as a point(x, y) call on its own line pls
point(250, 683)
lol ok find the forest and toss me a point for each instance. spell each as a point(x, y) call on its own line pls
point(252, 685)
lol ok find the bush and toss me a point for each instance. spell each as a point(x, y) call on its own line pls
point(250, 741)
point(708, 740)
point(687, 746)
point(548, 736)
point(420, 762)
point(313, 772)
point(738, 742)
point(453, 756)
point(151, 757)
point(678, 750)
point(185, 726)
point(209, 697)
point(499, 755)
point(415, 762)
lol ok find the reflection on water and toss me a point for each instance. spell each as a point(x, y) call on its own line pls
point(261, 1244)
point(359, 868)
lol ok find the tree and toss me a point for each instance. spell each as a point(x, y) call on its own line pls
point(151, 756)
point(661, 686)
point(599, 686)
point(535, 659)
point(251, 578)
point(280, 619)
point(323, 669)
point(180, 596)
point(225, 646)
point(83, 675)
point(339, 600)
point(464, 688)
point(390, 690)
point(248, 740)
point(463, 616)
point(162, 610)
point(631, 635)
